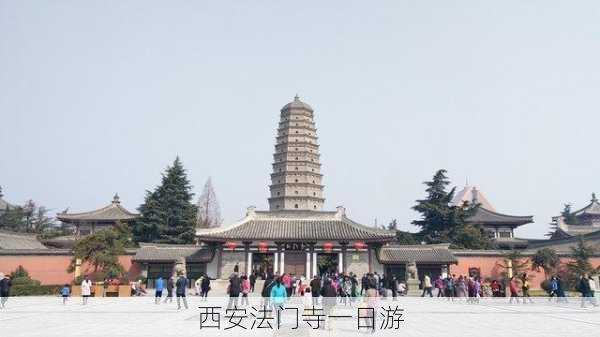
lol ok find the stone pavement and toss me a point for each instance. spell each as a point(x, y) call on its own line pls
point(139, 316)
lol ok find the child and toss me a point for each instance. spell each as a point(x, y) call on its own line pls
point(65, 291)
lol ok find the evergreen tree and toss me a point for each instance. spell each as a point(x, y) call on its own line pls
point(581, 264)
point(168, 215)
point(545, 259)
point(101, 250)
point(442, 222)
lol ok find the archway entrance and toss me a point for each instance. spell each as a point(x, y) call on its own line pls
point(327, 263)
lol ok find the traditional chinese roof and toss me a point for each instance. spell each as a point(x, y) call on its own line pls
point(471, 195)
point(4, 205)
point(593, 208)
point(296, 226)
point(113, 212)
point(486, 217)
point(153, 252)
point(424, 254)
point(564, 245)
point(11, 240)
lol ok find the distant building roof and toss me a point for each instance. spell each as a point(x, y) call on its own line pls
point(153, 252)
point(11, 240)
point(593, 208)
point(564, 245)
point(400, 254)
point(113, 212)
point(471, 195)
point(291, 225)
point(487, 217)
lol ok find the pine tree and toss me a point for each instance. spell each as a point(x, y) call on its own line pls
point(581, 255)
point(209, 211)
point(568, 216)
point(442, 222)
point(545, 259)
point(168, 215)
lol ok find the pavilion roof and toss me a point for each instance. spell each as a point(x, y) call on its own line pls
point(486, 217)
point(400, 254)
point(112, 212)
point(593, 208)
point(154, 252)
point(290, 225)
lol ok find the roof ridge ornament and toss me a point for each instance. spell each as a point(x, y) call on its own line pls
point(116, 199)
point(594, 199)
point(296, 98)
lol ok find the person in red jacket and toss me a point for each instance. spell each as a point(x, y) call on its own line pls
point(514, 289)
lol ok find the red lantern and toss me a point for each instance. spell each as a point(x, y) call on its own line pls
point(262, 247)
point(359, 245)
point(231, 244)
point(327, 246)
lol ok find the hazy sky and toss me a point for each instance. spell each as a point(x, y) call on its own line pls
point(99, 97)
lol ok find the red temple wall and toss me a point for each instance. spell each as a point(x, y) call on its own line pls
point(52, 269)
point(491, 267)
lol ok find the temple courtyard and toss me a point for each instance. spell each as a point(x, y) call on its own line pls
point(139, 316)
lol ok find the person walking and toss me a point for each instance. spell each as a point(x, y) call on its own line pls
point(233, 290)
point(439, 285)
point(5, 285)
point(266, 291)
point(65, 291)
point(277, 298)
point(170, 286)
point(583, 286)
point(245, 290)
point(525, 289)
point(315, 290)
point(514, 289)
point(180, 289)
point(427, 286)
point(371, 299)
point(158, 289)
point(329, 293)
point(86, 289)
point(197, 284)
point(252, 280)
point(592, 289)
point(205, 287)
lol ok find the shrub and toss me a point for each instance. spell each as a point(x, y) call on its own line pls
point(24, 285)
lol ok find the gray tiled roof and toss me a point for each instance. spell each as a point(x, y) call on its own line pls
point(297, 226)
point(9, 240)
point(112, 212)
point(593, 208)
point(484, 216)
point(400, 254)
point(150, 252)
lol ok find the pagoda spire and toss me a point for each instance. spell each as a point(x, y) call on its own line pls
point(296, 178)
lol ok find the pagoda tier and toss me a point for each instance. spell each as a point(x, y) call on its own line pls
point(296, 182)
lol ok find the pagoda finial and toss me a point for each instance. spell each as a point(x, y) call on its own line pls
point(116, 199)
point(296, 98)
point(594, 199)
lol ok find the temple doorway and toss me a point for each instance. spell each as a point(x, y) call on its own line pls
point(262, 264)
point(327, 263)
point(295, 263)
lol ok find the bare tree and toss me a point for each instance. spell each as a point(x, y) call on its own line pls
point(209, 212)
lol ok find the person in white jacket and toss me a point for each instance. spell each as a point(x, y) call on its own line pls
point(86, 289)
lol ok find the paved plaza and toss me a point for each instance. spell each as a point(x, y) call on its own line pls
point(139, 316)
